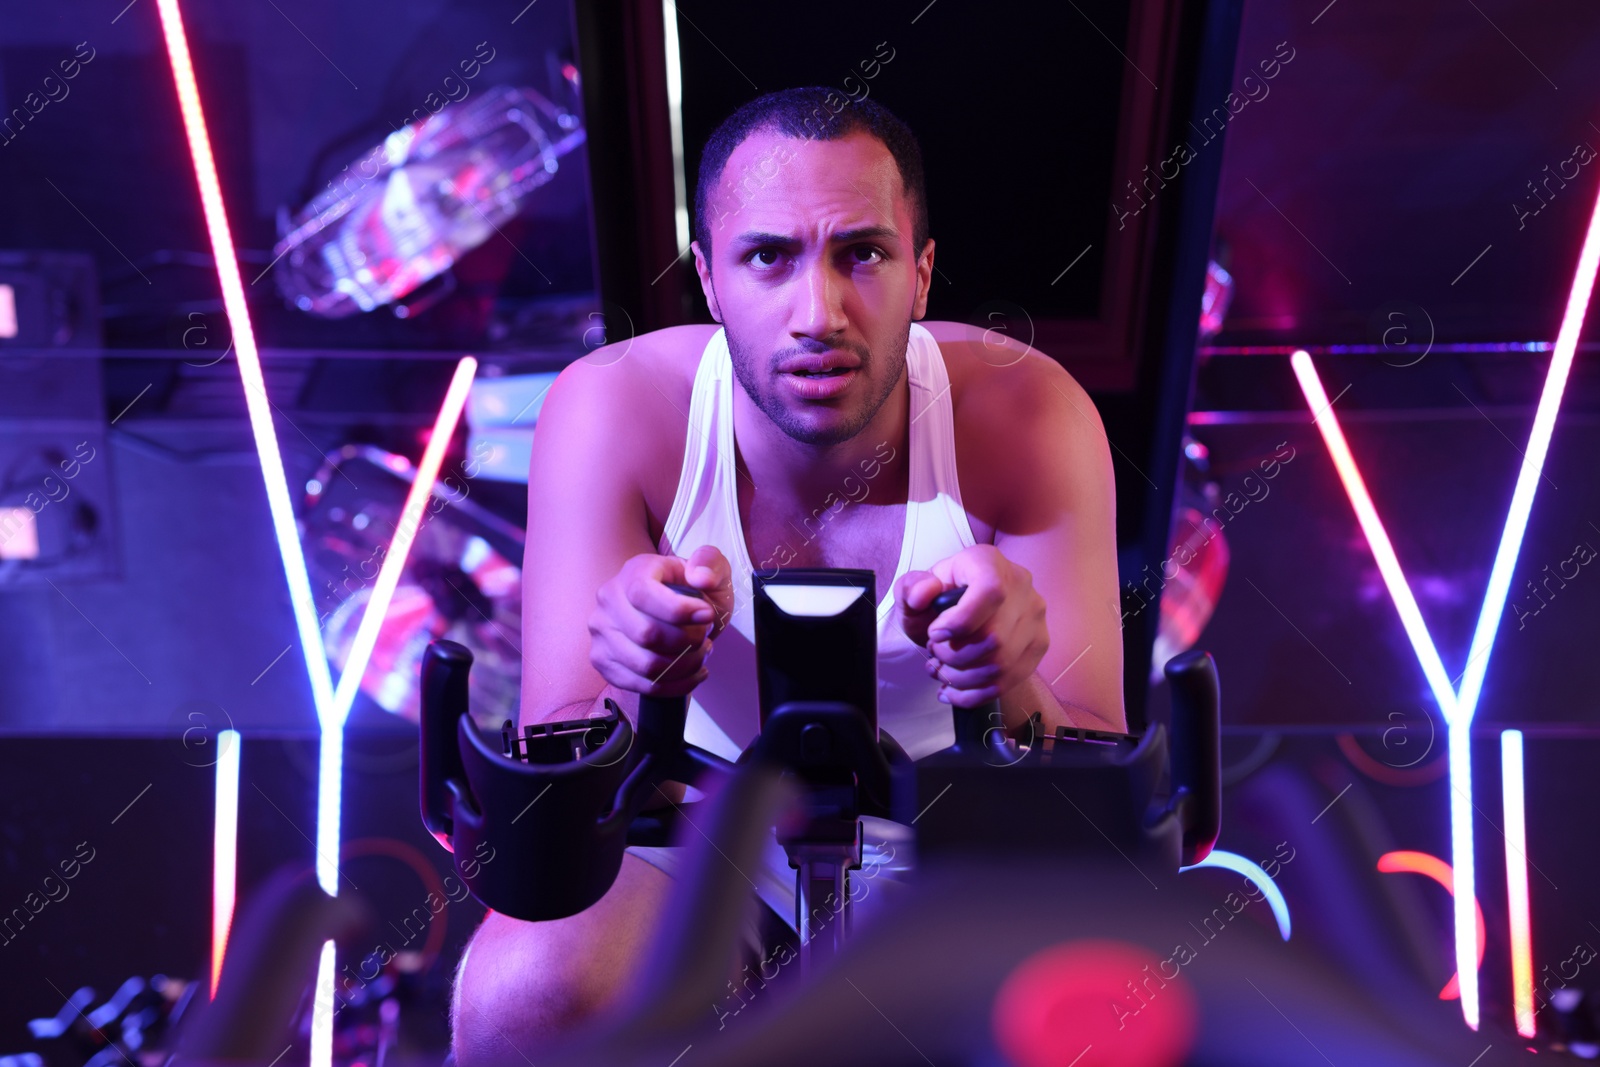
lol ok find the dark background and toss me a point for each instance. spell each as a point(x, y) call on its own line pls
point(1386, 158)
point(1396, 142)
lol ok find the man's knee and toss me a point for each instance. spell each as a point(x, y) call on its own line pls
point(515, 993)
point(521, 985)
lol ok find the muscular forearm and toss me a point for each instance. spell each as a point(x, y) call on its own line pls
point(1019, 703)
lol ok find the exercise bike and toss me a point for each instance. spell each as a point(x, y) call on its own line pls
point(1037, 897)
point(557, 803)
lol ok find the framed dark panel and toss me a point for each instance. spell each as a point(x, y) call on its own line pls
point(1029, 121)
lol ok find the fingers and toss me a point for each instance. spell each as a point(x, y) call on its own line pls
point(652, 667)
point(986, 574)
point(973, 678)
point(629, 667)
point(989, 663)
point(660, 620)
point(647, 594)
point(916, 589)
point(959, 655)
point(971, 687)
point(914, 593)
point(647, 638)
point(709, 570)
point(972, 667)
point(977, 607)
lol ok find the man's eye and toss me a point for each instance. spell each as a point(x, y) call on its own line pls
point(751, 258)
point(869, 250)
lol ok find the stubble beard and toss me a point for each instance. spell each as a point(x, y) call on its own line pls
point(759, 385)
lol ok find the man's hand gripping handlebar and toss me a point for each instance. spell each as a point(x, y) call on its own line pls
point(654, 621)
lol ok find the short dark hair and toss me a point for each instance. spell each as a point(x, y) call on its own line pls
point(809, 113)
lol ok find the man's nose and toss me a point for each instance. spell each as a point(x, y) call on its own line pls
point(819, 298)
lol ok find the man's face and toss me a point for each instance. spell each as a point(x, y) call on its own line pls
point(812, 256)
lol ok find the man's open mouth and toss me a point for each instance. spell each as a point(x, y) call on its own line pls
point(822, 374)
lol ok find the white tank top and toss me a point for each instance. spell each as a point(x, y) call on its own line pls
point(723, 711)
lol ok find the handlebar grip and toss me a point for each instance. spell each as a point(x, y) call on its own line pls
point(974, 726)
point(445, 668)
point(947, 599)
point(1196, 749)
point(661, 719)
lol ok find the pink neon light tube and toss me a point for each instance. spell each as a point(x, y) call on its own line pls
point(1372, 526)
point(1512, 797)
point(1460, 707)
point(1544, 424)
point(244, 346)
point(1459, 729)
point(224, 849)
point(394, 561)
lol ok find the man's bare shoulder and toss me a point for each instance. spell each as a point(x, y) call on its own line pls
point(650, 377)
point(682, 344)
point(994, 375)
point(662, 360)
point(629, 401)
point(1018, 416)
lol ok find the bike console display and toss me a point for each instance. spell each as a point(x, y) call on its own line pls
point(817, 638)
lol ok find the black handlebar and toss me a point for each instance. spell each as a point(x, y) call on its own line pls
point(445, 669)
point(661, 719)
point(978, 729)
point(566, 796)
point(1196, 750)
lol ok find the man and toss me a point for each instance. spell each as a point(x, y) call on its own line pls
point(931, 453)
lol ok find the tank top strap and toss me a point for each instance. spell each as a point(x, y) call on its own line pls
point(935, 507)
point(708, 436)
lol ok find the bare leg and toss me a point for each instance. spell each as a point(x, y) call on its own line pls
point(521, 985)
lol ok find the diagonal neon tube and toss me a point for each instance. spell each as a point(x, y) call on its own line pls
point(383, 587)
point(332, 707)
point(1459, 730)
point(244, 345)
point(1372, 526)
point(331, 764)
point(1544, 424)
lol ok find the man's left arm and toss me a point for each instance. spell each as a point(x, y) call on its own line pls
point(1059, 524)
point(1050, 578)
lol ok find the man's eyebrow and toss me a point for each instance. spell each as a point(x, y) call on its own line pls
point(867, 233)
point(755, 238)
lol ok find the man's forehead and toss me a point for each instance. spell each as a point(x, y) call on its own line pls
point(776, 182)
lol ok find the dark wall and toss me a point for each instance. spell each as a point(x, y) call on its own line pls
point(195, 616)
point(1392, 151)
point(1011, 200)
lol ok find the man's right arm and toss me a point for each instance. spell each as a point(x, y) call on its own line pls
point(600, 618)
point(586, 517)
